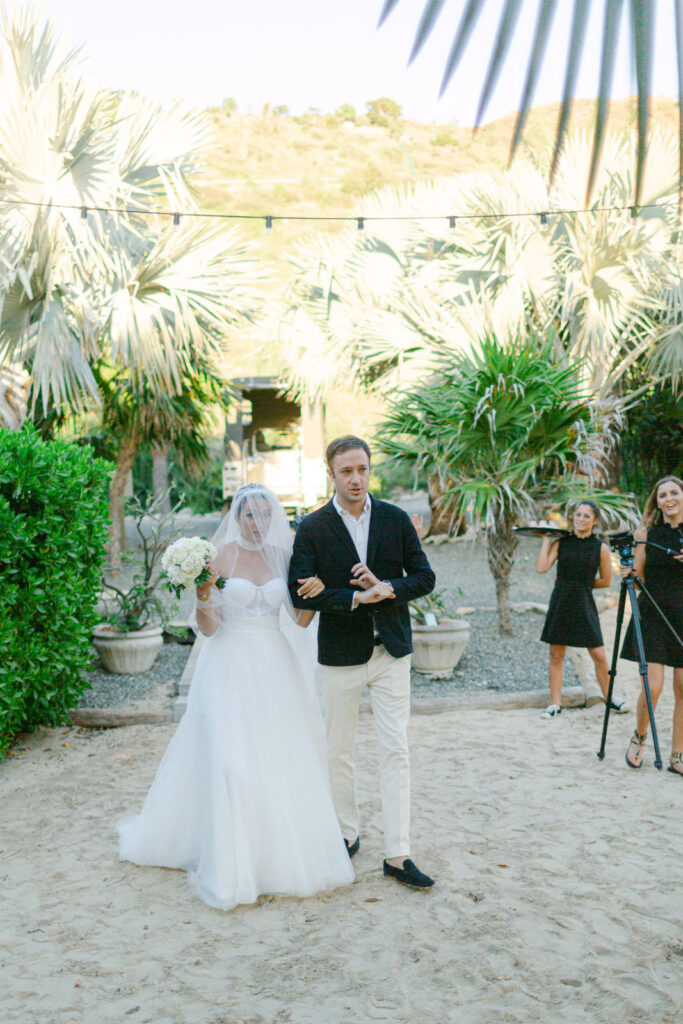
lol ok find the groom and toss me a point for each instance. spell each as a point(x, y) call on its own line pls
point(368, 555)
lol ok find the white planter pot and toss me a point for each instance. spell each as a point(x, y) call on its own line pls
point(127, 653)
point(438, 648)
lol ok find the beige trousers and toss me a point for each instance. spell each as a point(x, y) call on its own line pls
point(388, 680)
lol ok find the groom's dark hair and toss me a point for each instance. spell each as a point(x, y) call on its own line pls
point(345, 444)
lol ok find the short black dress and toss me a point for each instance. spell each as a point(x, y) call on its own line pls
point(664, 579)
point(572, 618)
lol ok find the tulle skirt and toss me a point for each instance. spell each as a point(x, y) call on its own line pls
point(241, 799)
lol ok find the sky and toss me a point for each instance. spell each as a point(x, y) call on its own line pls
point(322, 53)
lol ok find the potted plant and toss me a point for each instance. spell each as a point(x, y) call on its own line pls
point(438, 640)
point(131, 635)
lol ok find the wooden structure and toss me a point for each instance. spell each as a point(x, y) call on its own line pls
point(276, 442)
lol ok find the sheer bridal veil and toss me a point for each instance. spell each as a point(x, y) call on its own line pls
point(254, 542)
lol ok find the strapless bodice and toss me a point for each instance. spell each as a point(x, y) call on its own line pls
point(243, 599)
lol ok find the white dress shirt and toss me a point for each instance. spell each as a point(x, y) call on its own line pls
point(359, 528)
point(359, 531)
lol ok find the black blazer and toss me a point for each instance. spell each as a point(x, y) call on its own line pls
point(323, 547)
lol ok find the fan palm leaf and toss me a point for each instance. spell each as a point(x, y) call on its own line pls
point(126, 285)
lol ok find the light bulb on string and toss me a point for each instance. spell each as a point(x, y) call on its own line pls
point(544, 221)
point(269, 223)
point(84, 212)
point(360, 224)
point(451, 223)
point(176, 220)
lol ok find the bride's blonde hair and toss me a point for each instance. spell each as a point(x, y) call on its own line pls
point(652, 513)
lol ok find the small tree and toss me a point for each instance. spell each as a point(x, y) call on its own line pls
point(346, 112)
point(137, 416)
point(383, 111)
point(508, 429)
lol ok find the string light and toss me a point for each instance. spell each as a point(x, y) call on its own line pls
point(543, 215)
point(269, 223)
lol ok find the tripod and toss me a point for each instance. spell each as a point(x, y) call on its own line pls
point(628, 586)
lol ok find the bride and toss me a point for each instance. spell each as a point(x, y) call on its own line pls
point(241, 799)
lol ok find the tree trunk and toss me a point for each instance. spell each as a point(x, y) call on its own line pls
point(117, 487)
point(14, 395)
point(500, 549)
point(160, 477)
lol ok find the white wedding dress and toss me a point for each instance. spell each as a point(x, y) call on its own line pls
point(242, 799)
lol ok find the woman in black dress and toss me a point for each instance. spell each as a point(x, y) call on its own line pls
point(662, 574)
point(583, 565)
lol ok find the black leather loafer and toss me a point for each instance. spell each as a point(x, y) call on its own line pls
point(352, 848)
point(409, 875)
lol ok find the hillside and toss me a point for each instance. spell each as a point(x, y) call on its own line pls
point(321, 164)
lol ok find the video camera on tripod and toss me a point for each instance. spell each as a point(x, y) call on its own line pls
point(624, 543)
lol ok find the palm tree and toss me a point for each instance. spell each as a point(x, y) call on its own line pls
point(126, 286)
point(642, 39)
point(509, 430)
point(92, 274)
point(378, 306)
point(136, 415)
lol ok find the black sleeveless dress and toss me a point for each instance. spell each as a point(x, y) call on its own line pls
point(572, 618)
point(664, 579)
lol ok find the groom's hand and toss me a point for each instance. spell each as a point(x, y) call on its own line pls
point(363, 577)
point(379, 592)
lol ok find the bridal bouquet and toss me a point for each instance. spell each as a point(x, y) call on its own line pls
point(186, 561)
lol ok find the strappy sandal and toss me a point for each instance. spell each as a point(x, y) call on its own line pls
point(636, 748)
point(676, 759)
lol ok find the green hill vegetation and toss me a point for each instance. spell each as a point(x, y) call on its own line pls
point(323, 164)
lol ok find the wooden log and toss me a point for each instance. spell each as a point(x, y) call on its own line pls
point(113, 718)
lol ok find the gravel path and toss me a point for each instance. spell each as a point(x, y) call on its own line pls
point(490, 662)
point(160, 684)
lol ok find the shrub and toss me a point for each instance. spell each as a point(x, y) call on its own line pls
point(383, 110)
point(651, 443)
point(53, 528)
point(346, 111)
point(445, 137)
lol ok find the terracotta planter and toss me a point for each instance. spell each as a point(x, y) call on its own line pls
point(127, 653)
point(438, 648)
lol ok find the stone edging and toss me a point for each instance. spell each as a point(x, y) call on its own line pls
point(585, 695)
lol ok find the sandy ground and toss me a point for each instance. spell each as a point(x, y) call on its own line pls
point(558, 896)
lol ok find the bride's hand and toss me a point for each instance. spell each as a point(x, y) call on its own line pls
point(204, 591)
point(311, 586)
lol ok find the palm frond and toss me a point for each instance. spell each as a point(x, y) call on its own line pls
point(642, 36)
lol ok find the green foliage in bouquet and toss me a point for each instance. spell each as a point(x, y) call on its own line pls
point(53, 528)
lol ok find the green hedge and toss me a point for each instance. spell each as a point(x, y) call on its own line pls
point(53, 527)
